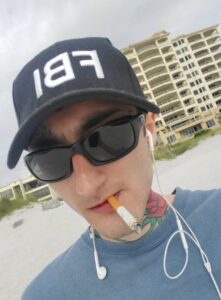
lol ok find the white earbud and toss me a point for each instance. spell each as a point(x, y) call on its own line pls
point(150, 138)
point(101, 270)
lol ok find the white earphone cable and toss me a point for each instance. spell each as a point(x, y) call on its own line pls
point(182, 233)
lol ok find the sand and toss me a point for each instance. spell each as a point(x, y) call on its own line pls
point(43, 235)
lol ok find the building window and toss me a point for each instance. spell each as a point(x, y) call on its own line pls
point(202, 89)
point(171, 139)
point(202, 108)
point(192, 84)
point(199, 100)
point(32, 185)
point(178, 52)
point(210, 123)
point(205, 97)
point(41, 193)
point(191, 65)
point(187, 57)
point(187, 132)
point(198, 81)
point(195, 73)
point(8, 194)
point(195, 92)
point(181, 60)
point(181, 41)
point(209, 106)
point(188, 76)
point(175, 44)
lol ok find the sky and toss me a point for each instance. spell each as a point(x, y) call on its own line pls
point(28, 26)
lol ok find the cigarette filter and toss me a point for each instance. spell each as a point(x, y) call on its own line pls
point(125, 215)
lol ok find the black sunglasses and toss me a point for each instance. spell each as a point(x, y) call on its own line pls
point(104, 145)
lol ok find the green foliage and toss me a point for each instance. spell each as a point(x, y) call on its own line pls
point(180, 148)
point(201, 133)
point(171, 151)
point(163, 152)
point(8, 206)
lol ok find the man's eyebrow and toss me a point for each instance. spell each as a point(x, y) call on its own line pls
point(43, 137)
point(98, 118)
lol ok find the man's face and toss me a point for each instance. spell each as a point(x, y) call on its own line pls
point(89, 186)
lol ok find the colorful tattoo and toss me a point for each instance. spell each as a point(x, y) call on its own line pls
point(155, 211)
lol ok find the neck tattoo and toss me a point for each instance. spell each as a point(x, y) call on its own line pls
point(155, 212)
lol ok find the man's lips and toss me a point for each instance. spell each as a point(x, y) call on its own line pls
point(104, 207)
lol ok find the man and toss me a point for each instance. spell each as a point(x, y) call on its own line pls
point(89, 130)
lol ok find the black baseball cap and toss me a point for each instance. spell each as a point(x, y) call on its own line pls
point(68, 72)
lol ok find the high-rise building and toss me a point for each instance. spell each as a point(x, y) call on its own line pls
point(183, 77)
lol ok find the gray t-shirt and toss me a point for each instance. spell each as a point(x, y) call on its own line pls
point(135, 269)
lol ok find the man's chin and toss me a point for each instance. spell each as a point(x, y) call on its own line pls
point(118, 234)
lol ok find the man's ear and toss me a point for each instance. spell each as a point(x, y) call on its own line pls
point(150, 125)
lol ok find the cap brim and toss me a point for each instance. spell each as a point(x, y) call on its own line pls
point(25, 131)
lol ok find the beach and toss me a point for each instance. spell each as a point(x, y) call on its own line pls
point(44, 234)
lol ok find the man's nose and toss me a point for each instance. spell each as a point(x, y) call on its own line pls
point(88, 179)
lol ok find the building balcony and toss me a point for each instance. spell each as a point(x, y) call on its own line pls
point(202, 53)
point(216, 95)
point(177, 76)
point(193, 111)
point(205, 61)
point(218, 102)
point(166, 50)
point(162, 41)
point(181, 85)
point(216, 48)
point(148, 58)
point(210, 33)
point(189, 102)
point(145, 49)
point(176, 119)
point(156, 72)
point(129, 53)
point(217, 56)
point(195, 39)
point(185, 94)
point(137, 70)
point(165, 102)
point(215, 87)
point(167, 96)
point(168, 53)
point(174, 68)
point(208, 69)
point(133, 62)
point(213, 41)
point(164, 92)
point(198, 46)
point(160, 82)
point(140, 78)
point(213, 77)
point(177, 109)
point(154, 64)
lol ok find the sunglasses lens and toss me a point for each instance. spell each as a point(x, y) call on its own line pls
point(104, 145)
point(50, 165)
point(110, 142)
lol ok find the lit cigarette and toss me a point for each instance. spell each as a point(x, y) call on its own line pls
point(125, 215)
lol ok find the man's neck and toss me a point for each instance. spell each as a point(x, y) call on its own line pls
point(155, 211)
